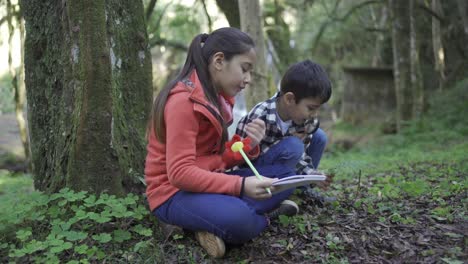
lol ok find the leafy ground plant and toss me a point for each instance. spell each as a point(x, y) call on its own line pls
point(381, 216)
point(400, 199)
point(74, 226)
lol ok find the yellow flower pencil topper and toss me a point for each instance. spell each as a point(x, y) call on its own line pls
point(239, 147)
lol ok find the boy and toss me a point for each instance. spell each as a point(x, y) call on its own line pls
point(290, 116)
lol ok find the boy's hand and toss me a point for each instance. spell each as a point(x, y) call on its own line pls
point(256, 131)
point(256, 189)
point(323, 185)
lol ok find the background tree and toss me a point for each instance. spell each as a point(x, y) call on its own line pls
point(416, 81)
point(279, 35)
point(463, 10)
point(14, 16)
point(230, 8)
point(324, 31)
point(400, 13)
point(438, 48)
point(171, 26)
point(380, 23)
point(88, 78)
point(251, 23)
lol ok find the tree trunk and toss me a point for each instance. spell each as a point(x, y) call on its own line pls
point(88, 79)
point(463, 10)
point(416, 75)
point(18, 78)
point(401, 60)
point(230, 9)
point(379, 41)
point(20, 97)
point(438, 48)
point(208, 17)
point(150, 9)
point(280, 36)
point(251, 23)
point(131, 86)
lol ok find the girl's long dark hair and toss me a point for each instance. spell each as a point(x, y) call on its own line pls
point(230, 41)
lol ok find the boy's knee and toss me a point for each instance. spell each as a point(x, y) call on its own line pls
point(293, 146)
point(319, 137)
point(288, 152)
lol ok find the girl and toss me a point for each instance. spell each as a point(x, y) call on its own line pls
point(187, 157)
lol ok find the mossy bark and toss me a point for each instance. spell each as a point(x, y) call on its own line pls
point(88, 80)
point(131, 86)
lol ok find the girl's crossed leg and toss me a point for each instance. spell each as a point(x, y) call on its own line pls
point(233, 219)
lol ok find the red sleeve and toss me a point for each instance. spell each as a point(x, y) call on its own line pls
point(181, 133)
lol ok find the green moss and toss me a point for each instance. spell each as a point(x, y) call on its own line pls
point(132, 93)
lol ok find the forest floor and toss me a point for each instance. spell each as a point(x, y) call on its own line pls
point(408, 212)
point(399, 204)
point(413, 213)
point(400, 199)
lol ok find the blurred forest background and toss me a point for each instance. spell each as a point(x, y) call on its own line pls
point(357, 41)
point(396, 124)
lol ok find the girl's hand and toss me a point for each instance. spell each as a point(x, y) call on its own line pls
point(255, 188)
point(256, 131)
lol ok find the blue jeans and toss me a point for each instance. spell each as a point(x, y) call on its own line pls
point(233, 219)
point(316, 147)
point(290, 149)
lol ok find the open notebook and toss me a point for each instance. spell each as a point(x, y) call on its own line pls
point(295, 181)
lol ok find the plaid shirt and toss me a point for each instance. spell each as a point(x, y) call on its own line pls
point(267, 112)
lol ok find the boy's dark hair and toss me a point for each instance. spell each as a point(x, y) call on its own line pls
point(306, 79)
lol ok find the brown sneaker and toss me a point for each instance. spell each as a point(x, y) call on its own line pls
point(213, 245)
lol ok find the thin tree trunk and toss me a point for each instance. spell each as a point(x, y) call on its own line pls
point(279, 35)
point(88, 79)
point(416, 76)
point(462, 8)
point(11, 33)
point(230, 9)
point(251, 23)
point(18, 78)
point(438, 48)
point(377, 58)
point(401, 60)
point(150, 9)
point(20, 96)
point(210, 23)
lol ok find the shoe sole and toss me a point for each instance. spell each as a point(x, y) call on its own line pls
point(293, 204)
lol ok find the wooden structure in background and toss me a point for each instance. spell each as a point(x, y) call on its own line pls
point(369, 94)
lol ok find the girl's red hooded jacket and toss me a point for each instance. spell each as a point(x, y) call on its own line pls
point(190, 160)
